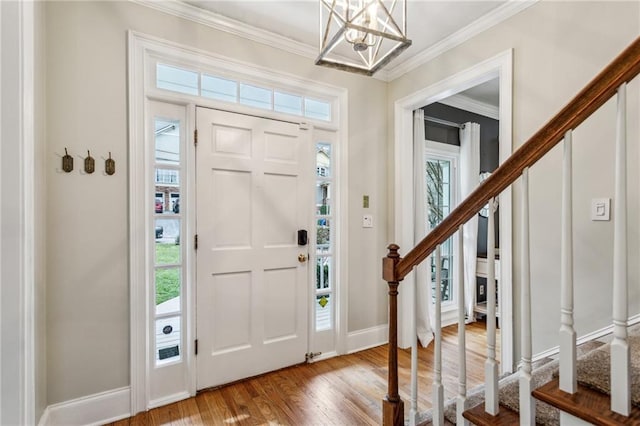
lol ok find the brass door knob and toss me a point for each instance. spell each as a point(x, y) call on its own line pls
point(302, 258)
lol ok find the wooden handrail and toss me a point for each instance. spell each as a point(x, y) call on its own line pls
point(623, 69)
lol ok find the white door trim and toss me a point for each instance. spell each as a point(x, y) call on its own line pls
point(497, 66)
point(143, 50)
point(17, 212)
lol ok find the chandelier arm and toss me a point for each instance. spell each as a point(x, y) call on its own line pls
point(339, 19)
point(390, 17)
point(404, 17)
point(390, 55)
point(379, 33)
point(386, 25)
point(334, 41)
point(354, 17)
point(392, 28)
point(364, 60)
point(377, 49)
point(326, 30)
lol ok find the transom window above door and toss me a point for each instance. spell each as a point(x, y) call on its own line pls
point(181, 80)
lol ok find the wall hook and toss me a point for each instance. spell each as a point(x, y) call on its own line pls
point(89, 163)
point(67, 162)
point(110, 165)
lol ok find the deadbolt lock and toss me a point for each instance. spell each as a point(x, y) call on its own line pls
point(302, 258)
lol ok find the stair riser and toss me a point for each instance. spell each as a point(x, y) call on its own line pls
point(569, 420)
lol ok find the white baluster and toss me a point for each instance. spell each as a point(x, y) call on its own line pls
point(461, 404)
point(413, 410)
point(438, 391)
point(620, 379)
point(568, 381)
point(491, 365)
point(527, 402)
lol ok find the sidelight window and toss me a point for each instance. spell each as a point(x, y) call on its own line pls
point(325, 250)
point(168, 262)
point(441, 187)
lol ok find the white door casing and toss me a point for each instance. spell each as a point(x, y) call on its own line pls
point(252, 194)
point(145, 52)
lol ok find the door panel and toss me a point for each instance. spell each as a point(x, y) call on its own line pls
point(253, 194)
point(231, 219)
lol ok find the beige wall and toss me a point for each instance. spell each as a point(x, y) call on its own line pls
point(558, 47)
point(86, 215)
point(87, 309)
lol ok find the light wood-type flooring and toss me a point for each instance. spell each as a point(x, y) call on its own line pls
point(345, 390)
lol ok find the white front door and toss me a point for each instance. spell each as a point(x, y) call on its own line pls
point(253, 195)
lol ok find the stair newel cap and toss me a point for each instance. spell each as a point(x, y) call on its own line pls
point(389, 264)
point(393, 250)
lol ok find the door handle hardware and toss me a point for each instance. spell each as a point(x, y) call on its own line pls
point(302, 258)
point(302, 237)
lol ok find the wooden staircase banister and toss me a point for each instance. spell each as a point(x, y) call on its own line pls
point(596, 93)
point(621, 70)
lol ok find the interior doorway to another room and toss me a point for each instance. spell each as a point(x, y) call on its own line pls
point(444, 124)
point(439, 101)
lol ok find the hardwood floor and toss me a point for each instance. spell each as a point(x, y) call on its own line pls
point(345, 390)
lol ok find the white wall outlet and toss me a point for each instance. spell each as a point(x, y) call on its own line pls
point(367, 221)
point(600, 208)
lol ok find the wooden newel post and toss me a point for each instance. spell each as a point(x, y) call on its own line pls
point(392, 405)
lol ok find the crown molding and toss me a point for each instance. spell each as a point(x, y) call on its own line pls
point(501, 13)
point(472, 105)
point(232, 26)
point(268, 38)
point(228, 25)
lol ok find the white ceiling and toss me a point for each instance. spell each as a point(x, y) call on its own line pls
point(428, 22)
point(434, 26)
point(486, 93)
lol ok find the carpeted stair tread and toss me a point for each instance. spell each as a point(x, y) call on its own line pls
point(509, 394)
point(478, 416)
point(594, 369)
point(587, 404)
point(543, 371)
point(508, 386)
point(545, 413)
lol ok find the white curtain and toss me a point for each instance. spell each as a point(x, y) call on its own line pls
point(469, 180)
point(423, 280)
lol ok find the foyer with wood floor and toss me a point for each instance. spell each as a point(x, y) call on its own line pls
point(343, 390)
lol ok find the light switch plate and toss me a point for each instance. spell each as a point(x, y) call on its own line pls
point(367, 221)
point(600, 208)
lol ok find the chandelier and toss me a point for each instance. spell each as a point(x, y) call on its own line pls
point(361, 36)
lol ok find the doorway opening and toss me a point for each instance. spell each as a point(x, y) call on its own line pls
point(448, 96)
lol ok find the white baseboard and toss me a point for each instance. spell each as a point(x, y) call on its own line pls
point(597, 334)
point(44, 419)
point(367, 338)
point(169, 399)
point(449, 317)
point(97, 409)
